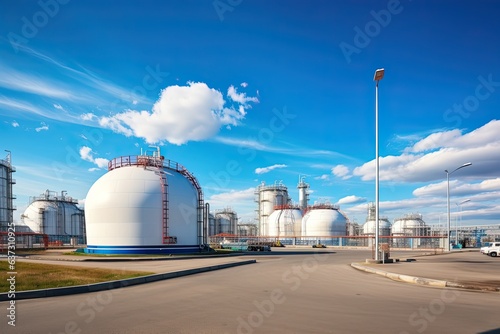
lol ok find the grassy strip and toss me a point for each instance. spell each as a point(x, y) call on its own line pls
point(33, 276)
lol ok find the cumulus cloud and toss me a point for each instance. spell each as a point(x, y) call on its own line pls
point(264, 170)
point(244, 84)
point(352, 199)
point(341, 171)
point(42, 127)
point(182, 113)
point(15, 124)
point(427, 159)
point(324, 177)
point(87, 154)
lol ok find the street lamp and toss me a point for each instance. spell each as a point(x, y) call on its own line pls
point(379, 74)
point(448, 198)
point(460, 216)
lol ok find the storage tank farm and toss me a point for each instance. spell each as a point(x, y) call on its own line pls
point(6, 195)
point(145, 204)
point(410, 225)
point(56, 215)
point(369, 227)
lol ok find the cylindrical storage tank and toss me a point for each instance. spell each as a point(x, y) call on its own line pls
point(6, 194)
point(411, 225)
point(226, 221)
point(211, 225)
point(267, 197)
point(247, 230)
point(54, 215)
point(143, 205)
point(285, 223)
point(324, 221)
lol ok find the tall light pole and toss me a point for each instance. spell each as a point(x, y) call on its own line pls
point(448, 200)
point(460, 216)
point(379, 74)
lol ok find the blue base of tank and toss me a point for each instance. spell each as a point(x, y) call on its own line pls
point(160, 249)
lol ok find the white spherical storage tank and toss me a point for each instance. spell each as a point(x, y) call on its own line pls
point(285, 222)
point(384, 227)
point(144, 205)
point(324, 220)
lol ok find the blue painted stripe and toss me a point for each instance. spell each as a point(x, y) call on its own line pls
point(158, 249)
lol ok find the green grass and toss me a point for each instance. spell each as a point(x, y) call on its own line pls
point(33, 276)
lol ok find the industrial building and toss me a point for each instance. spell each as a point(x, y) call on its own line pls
point(6, 195)
point(145, 204)
point(56, 215)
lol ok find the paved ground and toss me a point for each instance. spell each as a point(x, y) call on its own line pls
point(284, 292)
point(468, 268)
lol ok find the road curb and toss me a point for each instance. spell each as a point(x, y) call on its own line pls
point(412, 279)
point(70, 290)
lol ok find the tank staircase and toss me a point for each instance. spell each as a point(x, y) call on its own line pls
point(164, 204)
point(201, 203)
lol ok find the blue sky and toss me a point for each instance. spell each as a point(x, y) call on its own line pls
point(244, 92)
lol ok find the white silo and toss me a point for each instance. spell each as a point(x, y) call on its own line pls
point(323, 221)
point(267, 197)
point(285, 221)
point(411, 225)
point(6, 195)
point(226, 221)
point(145, 204)
point(55, 215)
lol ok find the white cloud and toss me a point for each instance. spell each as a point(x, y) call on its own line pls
point(43, 127)
point(352, 199)
point(15, 124)
point(341, 171)
point(58, 106)
point(324, 177)
point(458, 188)
point(264, 170)
point(93, 169)
point(240, 97)
point(87, 154)
point(244, 84)
point(88, 116)
point(449, 150)
point(182, 113)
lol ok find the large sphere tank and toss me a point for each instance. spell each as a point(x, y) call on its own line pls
point(324, 220)
point(285, 222)
point(384, 227)
point(144, 204)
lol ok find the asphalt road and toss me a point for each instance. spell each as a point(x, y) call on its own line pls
point(281, 293)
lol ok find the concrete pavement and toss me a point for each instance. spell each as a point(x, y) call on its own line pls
point(458, 269)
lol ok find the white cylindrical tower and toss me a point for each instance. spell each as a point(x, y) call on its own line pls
point(267, 197)
point(145, 204)
point(303, 194)
point(55, 215)
point(6, 195)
